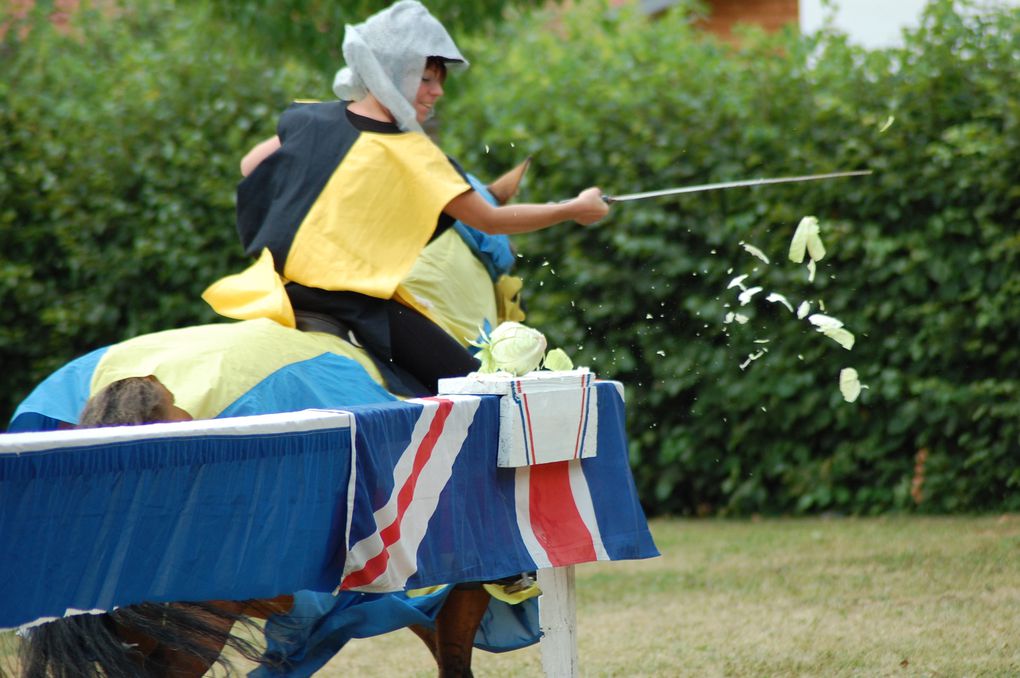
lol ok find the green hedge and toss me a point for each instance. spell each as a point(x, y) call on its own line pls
point(118, 160)
point(922, 265)
point(119, 151)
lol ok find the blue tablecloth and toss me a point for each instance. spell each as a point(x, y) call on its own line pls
point(254, 507)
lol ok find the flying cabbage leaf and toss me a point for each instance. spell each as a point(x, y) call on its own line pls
point(755, 252)
point(777, 298)
point(738, 282)
point(806, 238)
point(745, 296)
point(850, 384)
point(833, 329)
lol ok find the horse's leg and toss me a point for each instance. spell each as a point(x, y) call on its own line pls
point(428, 636)
point(456, 625)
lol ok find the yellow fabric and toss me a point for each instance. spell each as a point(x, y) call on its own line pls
point(374, 216)
point(508, 299)
point(208, 367)
point(499, 592)
point(453, 287)
point(405, 297)
point(426, 591)
point(256, 292)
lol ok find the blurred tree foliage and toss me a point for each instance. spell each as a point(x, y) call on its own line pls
point(118, 160)
point(922, 264)
point(312, 30)
point(119, 150)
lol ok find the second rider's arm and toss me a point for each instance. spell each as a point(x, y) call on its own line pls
point(259, 153)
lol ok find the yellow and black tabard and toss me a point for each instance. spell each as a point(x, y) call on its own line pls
point(338, 209)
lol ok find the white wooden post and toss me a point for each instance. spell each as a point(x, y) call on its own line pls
point(557, 612)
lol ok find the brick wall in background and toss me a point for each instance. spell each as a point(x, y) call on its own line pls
point(771, 15)
point(725, 14)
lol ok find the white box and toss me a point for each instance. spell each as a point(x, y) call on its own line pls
point(544, 416)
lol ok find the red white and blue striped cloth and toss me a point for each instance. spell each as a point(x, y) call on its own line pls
point(430, 499)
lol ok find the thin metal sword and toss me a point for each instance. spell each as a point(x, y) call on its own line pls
point(729, 184)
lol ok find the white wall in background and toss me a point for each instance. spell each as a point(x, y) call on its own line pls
point(871, 23)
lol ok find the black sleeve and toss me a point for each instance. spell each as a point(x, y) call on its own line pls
point(445, 220)
point(460, 170)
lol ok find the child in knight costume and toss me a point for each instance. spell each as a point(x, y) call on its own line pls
point(341, 202)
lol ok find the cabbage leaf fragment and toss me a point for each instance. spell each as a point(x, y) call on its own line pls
point(557, 360)
point(833, 329)
point(777, 298)
point(806, 238)
point(850, 384)
point(745, 296)
point(754, 251)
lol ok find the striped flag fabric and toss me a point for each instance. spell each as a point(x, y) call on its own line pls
point(430, 505)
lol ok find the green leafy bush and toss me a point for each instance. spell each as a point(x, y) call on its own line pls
point(118, 159)
point(119, 151)
point(312, 30)
point(922, 265)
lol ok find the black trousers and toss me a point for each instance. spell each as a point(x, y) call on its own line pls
point(412, 352)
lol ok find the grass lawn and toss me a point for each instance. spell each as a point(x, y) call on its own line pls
point(901, 596)
point(801, 597)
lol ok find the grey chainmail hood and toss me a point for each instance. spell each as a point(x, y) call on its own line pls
point(386, 55)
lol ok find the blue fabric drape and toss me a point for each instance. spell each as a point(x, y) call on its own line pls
point(227, 517)
point(58, 398)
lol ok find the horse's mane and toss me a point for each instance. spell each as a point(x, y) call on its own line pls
point(88, 645)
